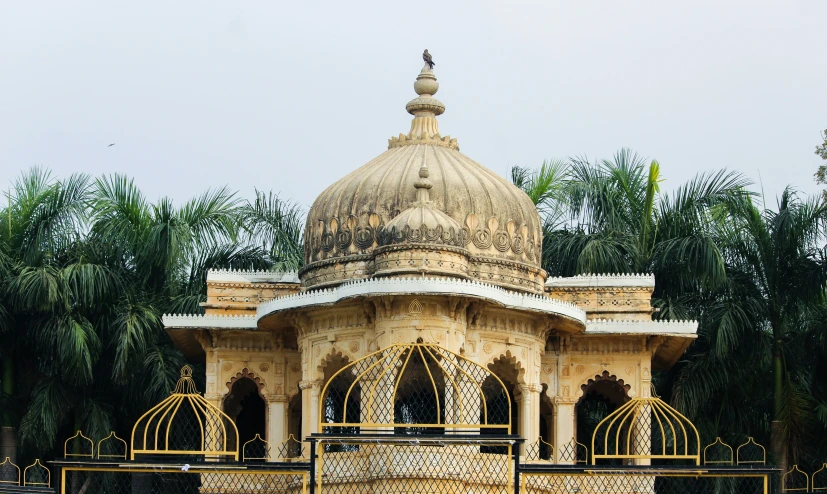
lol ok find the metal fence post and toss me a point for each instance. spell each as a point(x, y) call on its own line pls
point(515, 450)
point(312, 489)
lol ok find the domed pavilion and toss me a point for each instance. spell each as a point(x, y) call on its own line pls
point(423, 260)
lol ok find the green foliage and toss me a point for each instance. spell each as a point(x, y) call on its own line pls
point(754, 279)
point(87, 268)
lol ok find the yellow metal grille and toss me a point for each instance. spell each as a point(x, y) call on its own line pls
point(9, 473)
point(36, 475)
point(185, 424)
point(414, 388)
point(646, 428)
point(718, 453)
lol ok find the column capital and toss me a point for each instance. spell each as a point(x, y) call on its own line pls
point(563, 400)
point(530, 388)
point(311, 384)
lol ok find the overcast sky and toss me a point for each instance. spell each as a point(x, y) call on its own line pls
point(290, 96)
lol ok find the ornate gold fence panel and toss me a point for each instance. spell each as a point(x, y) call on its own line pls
point(165, 478)
point(406, 465)
point(653, 480)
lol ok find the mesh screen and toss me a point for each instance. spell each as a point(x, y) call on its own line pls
point(184, 427)
point(166, 481)
point(414, 467)
point(645, 428)
point(414, 389)
point(630, 482)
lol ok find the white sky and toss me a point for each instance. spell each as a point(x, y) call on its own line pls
point(290, 96)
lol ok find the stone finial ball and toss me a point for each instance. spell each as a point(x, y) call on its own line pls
point(426, 85)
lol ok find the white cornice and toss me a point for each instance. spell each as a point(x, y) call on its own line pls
point(422, 286)
point(209, 321)
point(603, 280)
point(239, 276)
point(655, 328)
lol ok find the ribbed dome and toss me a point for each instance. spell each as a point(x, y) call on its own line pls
point(500, 224)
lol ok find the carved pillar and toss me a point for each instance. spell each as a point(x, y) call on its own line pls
point(642, 433)
point(564, 423)
point(276, 423)
point(310, 406)
point(528, 397)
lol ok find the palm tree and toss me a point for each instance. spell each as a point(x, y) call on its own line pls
point(94, 267)
point(770, 314)
point(610, 217)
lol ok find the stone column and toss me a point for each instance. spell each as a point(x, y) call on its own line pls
point(564, 431)
point(310, 406)
point(529, 403)
point(276, 424)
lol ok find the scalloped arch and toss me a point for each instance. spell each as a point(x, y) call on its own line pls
point(248, 374)
point(507, 359)
point(604, 376)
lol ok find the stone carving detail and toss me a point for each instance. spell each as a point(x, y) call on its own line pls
point(547, 369)
point(579, 369)
point(227, 366)
point(369, 231)
point(487, 347)
point(354, 346)
point(264, 367)
point(566, 371)
point(421, 235)
point(415, 308)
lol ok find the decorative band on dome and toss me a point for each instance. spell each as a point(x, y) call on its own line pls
point(437, 235)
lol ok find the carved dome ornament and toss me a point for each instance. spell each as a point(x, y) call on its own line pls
point(423, 195)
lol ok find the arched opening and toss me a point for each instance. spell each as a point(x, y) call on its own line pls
point(342, 403)
point(546, 425)
point(498, 400)
point(294, 417)
point(420, 395)
point(601, 396)
point(245, 406)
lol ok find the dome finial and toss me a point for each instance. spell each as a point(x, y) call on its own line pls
point(423, 186)
point(425, 108)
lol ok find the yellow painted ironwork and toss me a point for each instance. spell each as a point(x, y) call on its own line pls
point(389, 366)
point(113, 438)
point(217, 433)
point(83, 440)
point(193, 470)
point(631, 427)
point(8, 466)
point(719, 444)
point(571, 451)
point(257, 438)
point(534, 450)
point(750, 444)
point(288, 447)
point(619, 478)
point(35, 483)
point(795, 477)
point(818, 481)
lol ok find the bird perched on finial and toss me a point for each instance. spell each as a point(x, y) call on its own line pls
point(427, 57)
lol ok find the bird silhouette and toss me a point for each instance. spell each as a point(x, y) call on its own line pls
point(109, 146)
point(427, 57)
